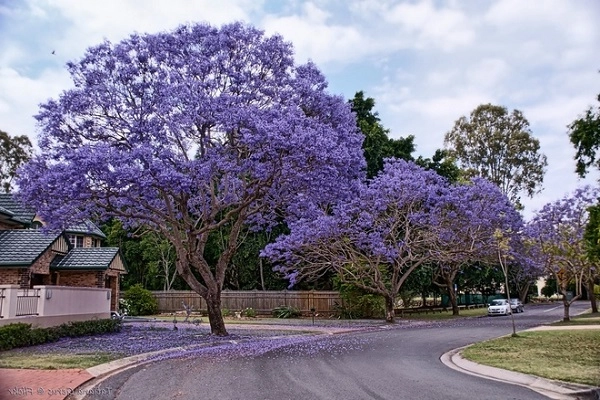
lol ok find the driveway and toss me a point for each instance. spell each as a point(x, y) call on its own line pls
point(400, 362)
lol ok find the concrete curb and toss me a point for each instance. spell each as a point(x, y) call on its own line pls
point(552, 389)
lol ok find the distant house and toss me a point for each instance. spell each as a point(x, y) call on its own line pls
point(74, 257)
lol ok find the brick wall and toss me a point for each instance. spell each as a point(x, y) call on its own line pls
point(79, 278)
point(24, 278)
point(42, 265)
point(9, 276)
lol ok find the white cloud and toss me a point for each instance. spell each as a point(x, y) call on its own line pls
point(21, 95)
point(445, 27)
point(315, 37)
point(425, 62)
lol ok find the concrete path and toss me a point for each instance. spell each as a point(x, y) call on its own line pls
point(41, 384)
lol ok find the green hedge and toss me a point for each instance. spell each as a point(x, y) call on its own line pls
point(21, 335)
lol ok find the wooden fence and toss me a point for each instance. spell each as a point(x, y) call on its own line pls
point(263, 302)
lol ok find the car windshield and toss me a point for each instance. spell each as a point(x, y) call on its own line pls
point(498, 302)
point(514, 301)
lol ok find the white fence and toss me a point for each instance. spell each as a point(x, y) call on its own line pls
point(52, 305)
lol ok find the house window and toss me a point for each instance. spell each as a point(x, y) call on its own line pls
point(76, 240)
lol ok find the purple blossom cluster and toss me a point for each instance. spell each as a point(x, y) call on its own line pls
point(190, 132)
point(557, 240)
point(404, 218)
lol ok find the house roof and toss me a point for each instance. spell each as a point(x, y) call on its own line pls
point(88, 258)
point(87, 227)
point(17, 212)
point(5, 212)
point(22, 247)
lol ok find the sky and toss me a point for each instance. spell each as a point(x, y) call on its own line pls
point(426, 63)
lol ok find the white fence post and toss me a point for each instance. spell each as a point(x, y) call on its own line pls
point(8, 305)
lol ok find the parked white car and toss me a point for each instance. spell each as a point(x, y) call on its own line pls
point(499, 307)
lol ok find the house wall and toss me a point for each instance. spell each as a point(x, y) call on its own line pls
point(56, 305)
point(82, 278)
point(10, 276)
point(42, 264)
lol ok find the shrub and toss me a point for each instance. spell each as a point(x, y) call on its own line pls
point(140, 301)
point(249, 312)
point(356, 303)
point(43, 335)
point(225, 312)
point(286, 312)
point(92, 327)
point(14, 335)
point(21, 335)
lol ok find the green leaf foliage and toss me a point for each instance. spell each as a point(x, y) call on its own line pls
point(499, 146)
point(14, 152)
point(22, 335)
point(377, 145)
point(140, 301)
point(584, 134)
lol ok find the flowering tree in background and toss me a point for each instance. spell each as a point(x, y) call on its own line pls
point(375, 240)
point(558, 232)
point(472, 216)
point(190, 132)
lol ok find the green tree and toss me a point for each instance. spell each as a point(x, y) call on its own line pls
point(14, 152)
point(498, 146)
point(592, 238)
point(443, 163)
point(584, 134)
point(377, 144)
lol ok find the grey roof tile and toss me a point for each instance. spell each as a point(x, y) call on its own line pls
point(20, 213)
point(6, 212)
point(89, 258)
point(22, 247)
point(9, 205)
point(87, 227)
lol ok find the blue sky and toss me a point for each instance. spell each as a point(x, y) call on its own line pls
point(426, 63)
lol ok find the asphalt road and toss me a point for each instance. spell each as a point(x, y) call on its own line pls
point(394, 363)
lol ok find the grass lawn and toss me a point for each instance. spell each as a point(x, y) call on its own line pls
point(584, 319)
point(566, 355)
point(55, 361)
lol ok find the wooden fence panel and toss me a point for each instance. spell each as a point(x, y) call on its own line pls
point(263, 302)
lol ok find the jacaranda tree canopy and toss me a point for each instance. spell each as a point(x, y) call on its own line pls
point(189, 132)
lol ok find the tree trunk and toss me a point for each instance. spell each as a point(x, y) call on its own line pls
point(262, 277)
point(566, 304)
point(592, 295)
point(524, 292)
point(390, 315)
point(452, 297)
point(213, 305)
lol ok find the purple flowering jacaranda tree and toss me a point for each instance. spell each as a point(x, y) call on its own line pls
point(473, 214)
point(558, 232)
point(375, 240)
point(191, 132)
